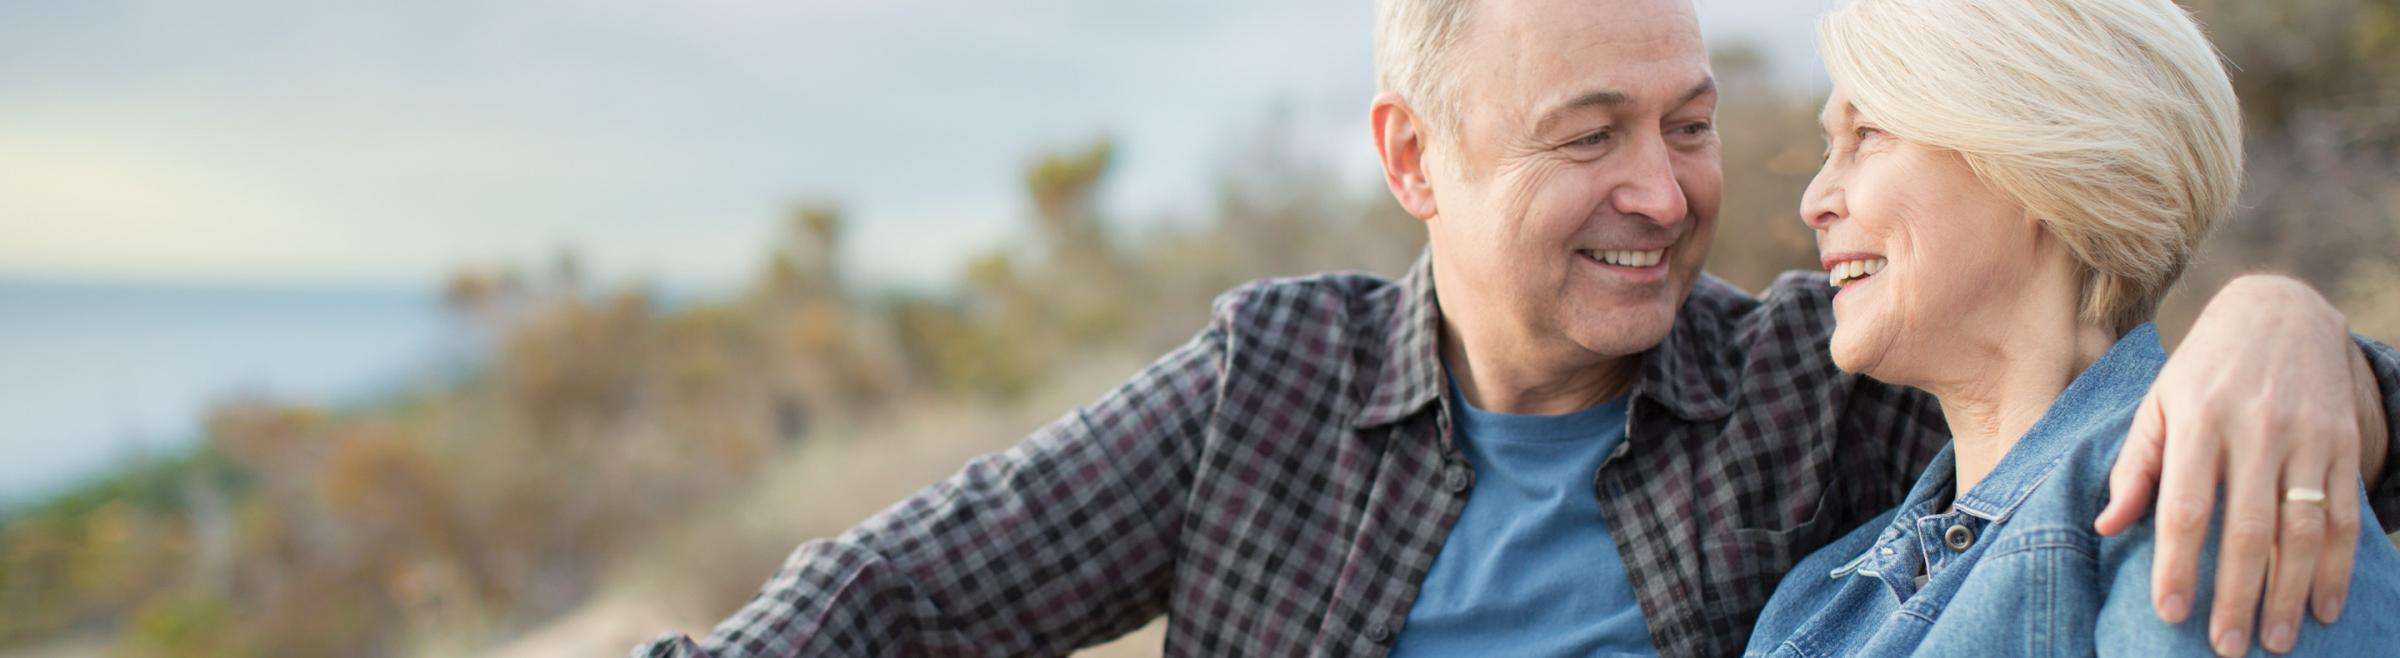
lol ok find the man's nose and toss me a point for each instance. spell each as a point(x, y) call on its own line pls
point(1649, 188)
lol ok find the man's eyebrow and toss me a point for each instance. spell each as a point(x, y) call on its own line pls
point(1594, 98)
point(1611, 98)
point(1707, 84)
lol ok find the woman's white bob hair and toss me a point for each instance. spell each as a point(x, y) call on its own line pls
point(2111, 121)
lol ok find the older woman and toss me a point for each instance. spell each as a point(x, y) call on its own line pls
point(2010, 187)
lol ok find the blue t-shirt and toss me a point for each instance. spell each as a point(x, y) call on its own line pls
point(1530, 569)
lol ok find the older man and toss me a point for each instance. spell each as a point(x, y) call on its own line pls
point(1554, 436)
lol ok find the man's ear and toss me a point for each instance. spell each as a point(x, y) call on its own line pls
point(1400, 143)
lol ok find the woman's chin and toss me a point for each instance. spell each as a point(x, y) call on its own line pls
point(1849, 352)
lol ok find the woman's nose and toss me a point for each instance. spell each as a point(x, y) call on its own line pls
point(1821, 205)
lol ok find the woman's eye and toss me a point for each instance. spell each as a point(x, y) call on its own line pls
point(1866, 131)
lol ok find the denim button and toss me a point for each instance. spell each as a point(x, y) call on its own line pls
point(1959, 538)
point(1456, 478)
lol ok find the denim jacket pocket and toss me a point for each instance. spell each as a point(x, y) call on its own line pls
point(2035, 593)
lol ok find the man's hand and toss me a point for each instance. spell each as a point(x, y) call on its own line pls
point(2261, 397)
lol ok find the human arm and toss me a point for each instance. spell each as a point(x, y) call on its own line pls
point(1065, 540)
point(2267, 393)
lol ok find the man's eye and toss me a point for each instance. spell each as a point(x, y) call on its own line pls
point(1594, 139)
point(1697, 128)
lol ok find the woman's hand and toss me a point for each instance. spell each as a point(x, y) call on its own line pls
point(2263, 397)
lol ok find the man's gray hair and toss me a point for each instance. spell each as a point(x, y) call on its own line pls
point(1412, 59)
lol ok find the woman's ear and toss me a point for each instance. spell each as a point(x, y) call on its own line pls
point(1400, 143)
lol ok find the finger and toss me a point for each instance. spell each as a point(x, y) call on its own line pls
point(2332, 587)
point(2134, 478)
point(2187, 493)
point(2249, 532)
point(2300, 540)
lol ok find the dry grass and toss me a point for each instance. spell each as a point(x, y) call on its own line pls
point(717, 557)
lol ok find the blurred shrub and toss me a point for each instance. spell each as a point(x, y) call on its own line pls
point(186, 626)
point(2320, 87)
point(1770, 144)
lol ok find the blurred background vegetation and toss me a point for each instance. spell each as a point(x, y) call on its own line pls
point(624, 464)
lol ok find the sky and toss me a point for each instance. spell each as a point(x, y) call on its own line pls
point(313, 143)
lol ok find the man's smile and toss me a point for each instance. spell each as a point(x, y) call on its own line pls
point(1642, 265)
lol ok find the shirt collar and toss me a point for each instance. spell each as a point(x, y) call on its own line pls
point(1411, 372)
point(1686, 373)
point(2095, 401)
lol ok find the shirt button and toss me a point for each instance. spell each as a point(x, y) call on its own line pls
point(1377, 633)
point(1456, 478)
point(1959, 538)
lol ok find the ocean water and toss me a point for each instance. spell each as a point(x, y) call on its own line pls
point(93, 375)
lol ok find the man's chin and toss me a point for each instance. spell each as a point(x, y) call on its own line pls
point(1625, 333)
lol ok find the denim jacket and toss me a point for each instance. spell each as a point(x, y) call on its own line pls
point(2013, 568)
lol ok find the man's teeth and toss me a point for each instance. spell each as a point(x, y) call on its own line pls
point(1628, 258)
point(1845, 272)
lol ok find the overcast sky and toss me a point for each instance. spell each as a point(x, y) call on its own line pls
point(317, 143)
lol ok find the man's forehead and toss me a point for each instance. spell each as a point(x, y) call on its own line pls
point(1590, 27)
point(1556, 50)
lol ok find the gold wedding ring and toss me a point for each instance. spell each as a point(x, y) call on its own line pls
point(2305, 495)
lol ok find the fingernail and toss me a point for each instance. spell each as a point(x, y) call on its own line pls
point(2172, 608)
point(2279, 637)
point(2329, 611)
point(2232, 642)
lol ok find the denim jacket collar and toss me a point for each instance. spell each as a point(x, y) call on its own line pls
point(2118, 380)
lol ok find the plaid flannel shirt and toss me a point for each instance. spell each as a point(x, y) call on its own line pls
point(1280, 485)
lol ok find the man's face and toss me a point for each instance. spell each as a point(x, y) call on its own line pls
point(1578, 192)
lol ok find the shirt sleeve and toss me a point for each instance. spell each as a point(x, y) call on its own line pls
point(1062, 541)
point(2384, 495)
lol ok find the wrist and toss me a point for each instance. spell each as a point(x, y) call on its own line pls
point(2280, 296)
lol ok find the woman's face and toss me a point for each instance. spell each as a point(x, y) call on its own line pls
point(1928, 258)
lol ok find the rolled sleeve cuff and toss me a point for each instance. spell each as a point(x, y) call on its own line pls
point(2384, 495)
point(670, 645)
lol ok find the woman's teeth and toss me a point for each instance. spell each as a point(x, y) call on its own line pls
point(1627, 258)
point(1846, 272)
